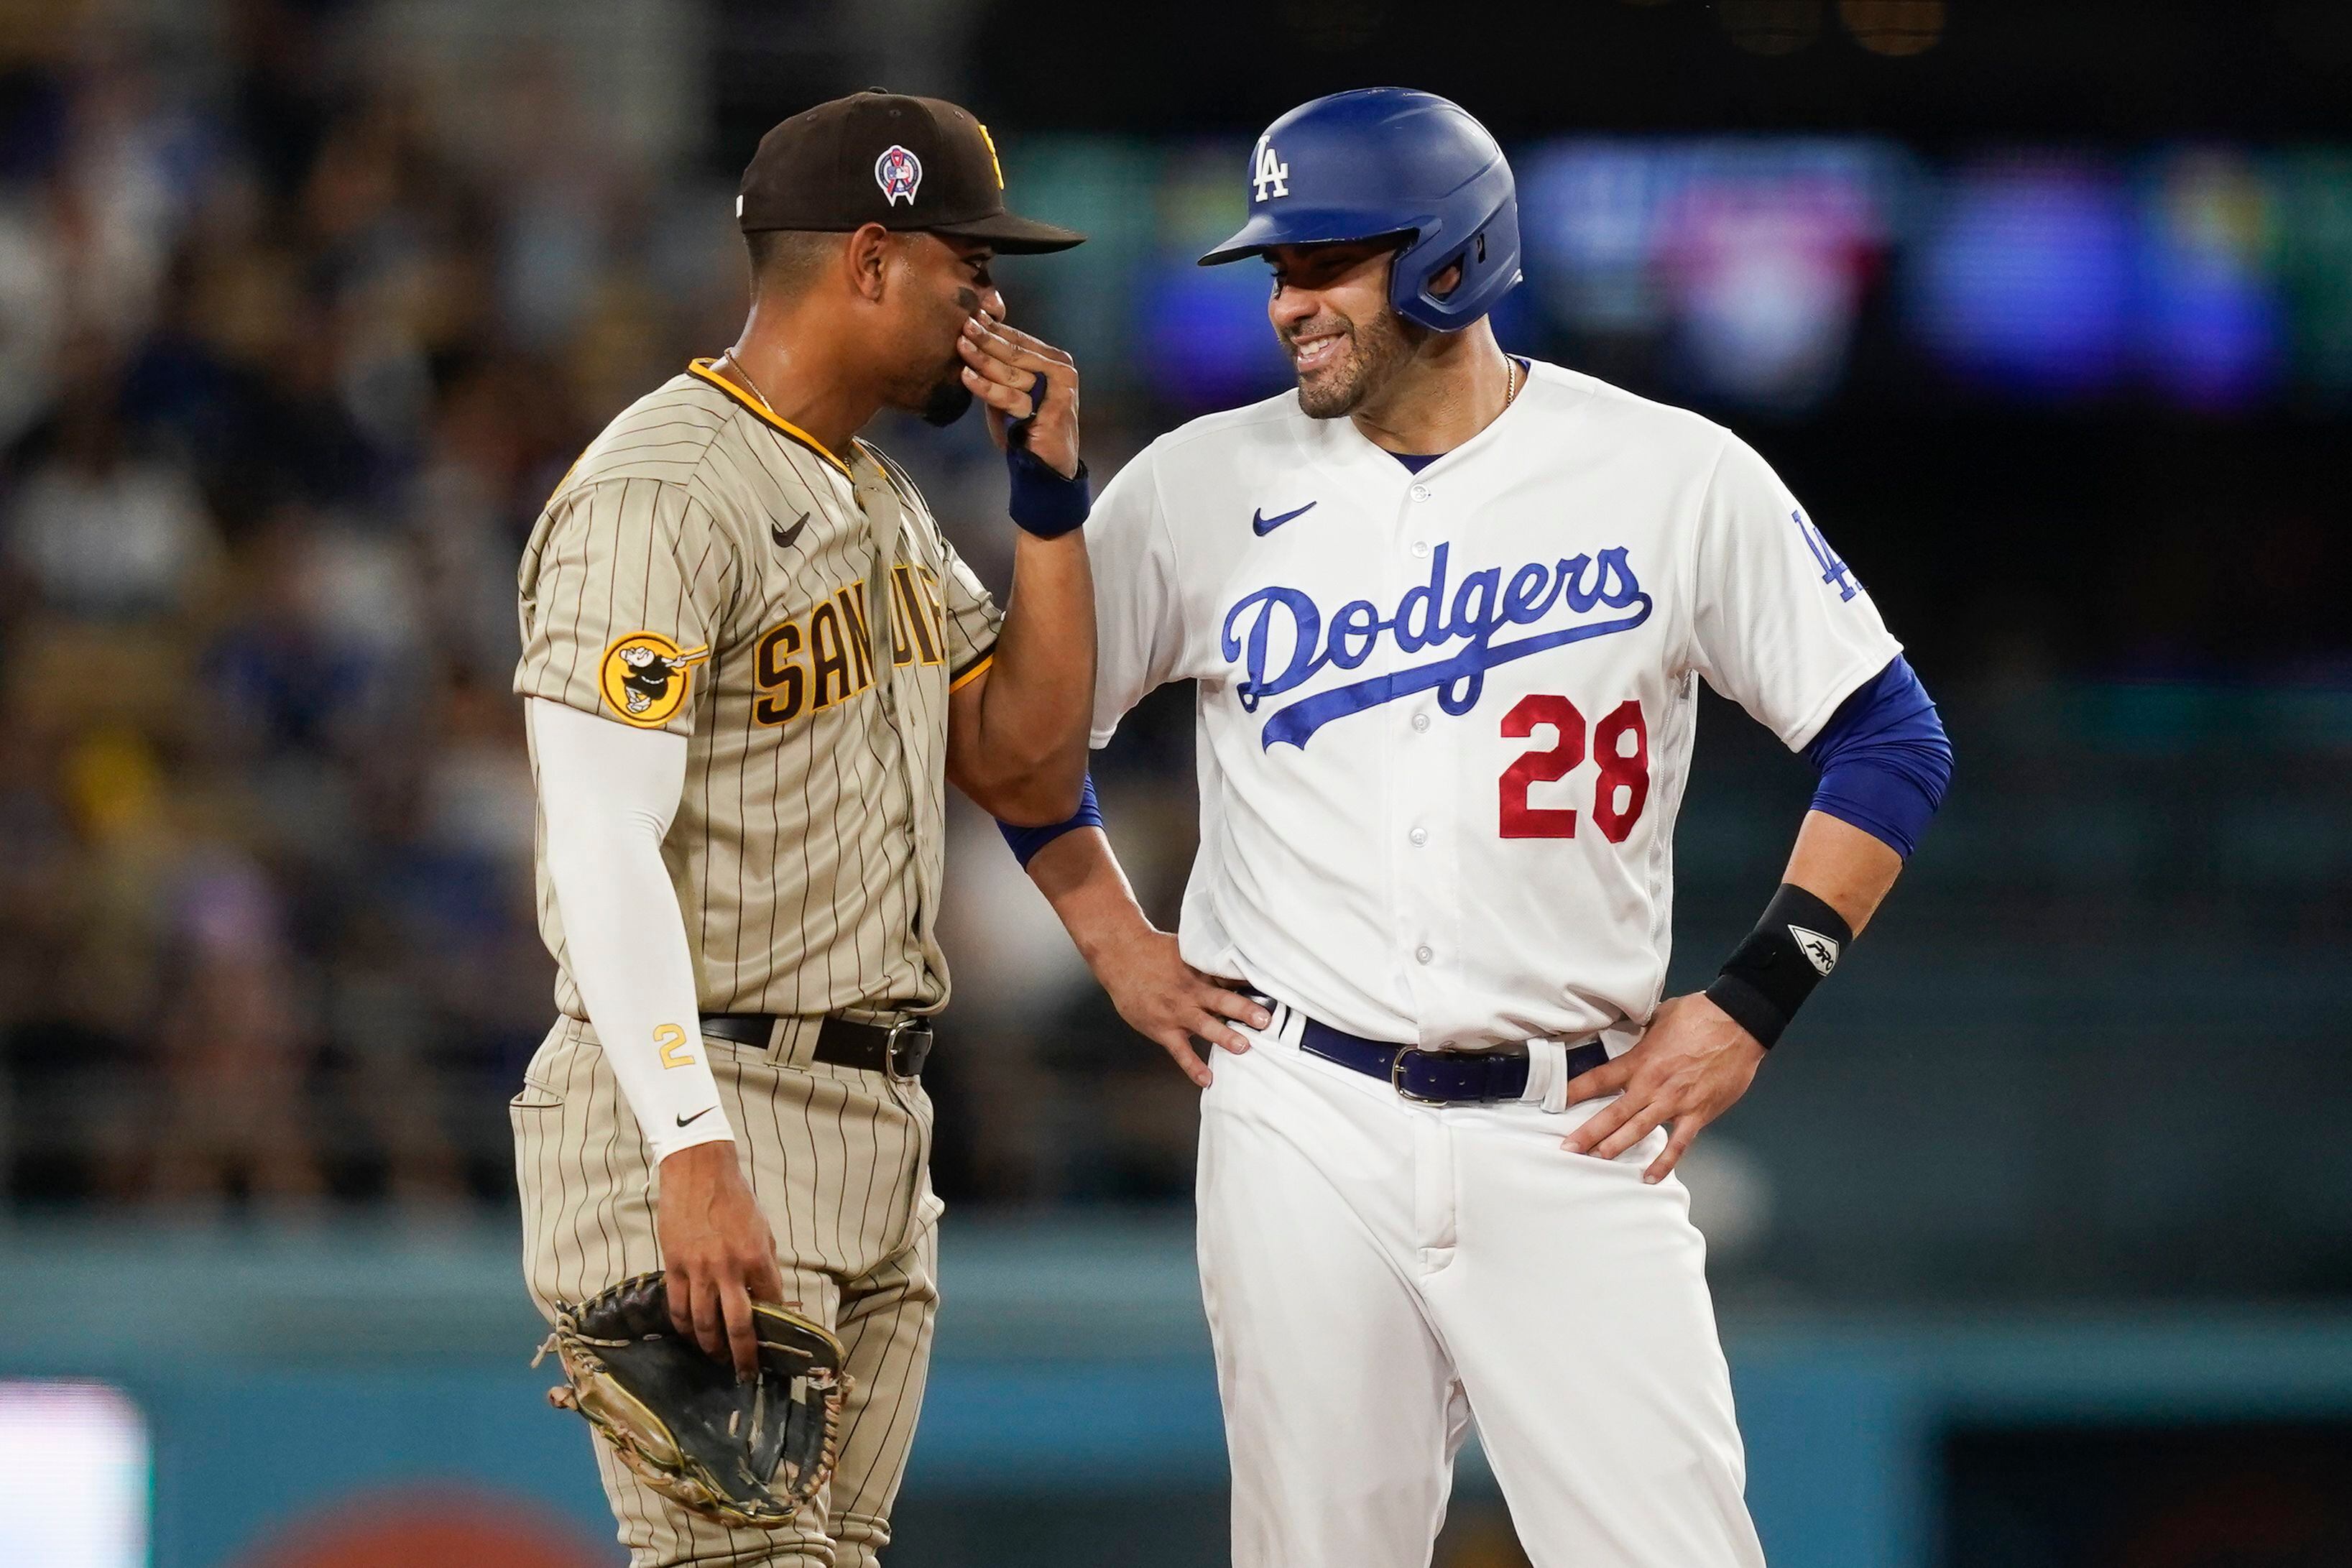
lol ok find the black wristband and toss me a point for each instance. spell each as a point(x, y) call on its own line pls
point(1767, 976)
point(1043, 502)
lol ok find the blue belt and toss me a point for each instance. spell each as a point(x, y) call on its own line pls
point(1440, 1078)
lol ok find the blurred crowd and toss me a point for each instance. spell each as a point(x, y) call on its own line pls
point(282, 384)
point(297, 331)
point(286, 369)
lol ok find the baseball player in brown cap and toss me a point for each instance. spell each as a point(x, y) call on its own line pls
point(752, 662)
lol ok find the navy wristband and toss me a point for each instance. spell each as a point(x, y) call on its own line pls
point(1043, 502)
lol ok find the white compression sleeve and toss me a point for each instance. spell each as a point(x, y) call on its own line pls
point(607, 794)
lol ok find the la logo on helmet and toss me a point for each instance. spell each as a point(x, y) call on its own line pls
point(1273, 176)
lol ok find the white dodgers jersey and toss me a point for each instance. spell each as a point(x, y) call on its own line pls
point(1446, 717)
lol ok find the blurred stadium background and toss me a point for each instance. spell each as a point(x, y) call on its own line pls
point(2034, 1249)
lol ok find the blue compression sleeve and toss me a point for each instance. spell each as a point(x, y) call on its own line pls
point(1027, 841)
point(1884, 759)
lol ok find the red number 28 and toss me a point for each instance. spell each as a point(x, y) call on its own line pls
point(1622, 768)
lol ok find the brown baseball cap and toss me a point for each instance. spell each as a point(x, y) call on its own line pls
point(882, 157)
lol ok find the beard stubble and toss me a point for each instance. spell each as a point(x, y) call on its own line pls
point(1375, 348)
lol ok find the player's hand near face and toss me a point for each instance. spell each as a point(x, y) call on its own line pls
point(718, 1253)
point(1001, 364)
point(1690, 1067)
point(1017, 727)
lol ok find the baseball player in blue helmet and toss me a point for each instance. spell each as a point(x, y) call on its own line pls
point(1397, 169)
point(1382, 181)
point(1447, 610)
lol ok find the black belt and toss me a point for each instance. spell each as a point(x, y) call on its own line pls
point(897, 1048)
point(1440, 1078)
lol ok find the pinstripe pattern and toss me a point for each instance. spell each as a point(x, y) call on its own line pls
point(806, 855)
point(807, 851)
point(838, 1161)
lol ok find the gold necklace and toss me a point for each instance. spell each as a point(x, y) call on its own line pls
point(1510, 380)
point(744, 371)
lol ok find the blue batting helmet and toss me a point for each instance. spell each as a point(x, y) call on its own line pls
point(1390, 161)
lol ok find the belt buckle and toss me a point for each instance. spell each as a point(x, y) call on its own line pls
point(1396, 1076)
point(917, 1053)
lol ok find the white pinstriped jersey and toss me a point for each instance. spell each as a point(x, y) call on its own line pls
point(1446, 718)
point(708, 569)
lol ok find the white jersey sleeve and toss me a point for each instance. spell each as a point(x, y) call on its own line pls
point(1779, 624)
point(1138, 624)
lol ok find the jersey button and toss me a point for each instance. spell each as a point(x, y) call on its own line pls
point(1420, 835)
point(1421, 547)
point(1421, 721)
point(1423, 954)
point(1421, 492)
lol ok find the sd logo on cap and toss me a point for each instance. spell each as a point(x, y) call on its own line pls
point(882, 157)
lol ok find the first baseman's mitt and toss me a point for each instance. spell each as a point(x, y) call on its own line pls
point(746, 1454)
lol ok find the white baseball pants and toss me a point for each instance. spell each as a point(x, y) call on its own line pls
point(1377, 1271)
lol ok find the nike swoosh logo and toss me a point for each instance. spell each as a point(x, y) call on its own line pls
point(691, 1120)
point(784, 536)
point(1262, 525)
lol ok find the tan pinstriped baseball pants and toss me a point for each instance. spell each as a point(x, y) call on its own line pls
point(838, 1160)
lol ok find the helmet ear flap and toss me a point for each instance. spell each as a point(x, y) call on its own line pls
point(1489, 258)
point(1459, 264)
